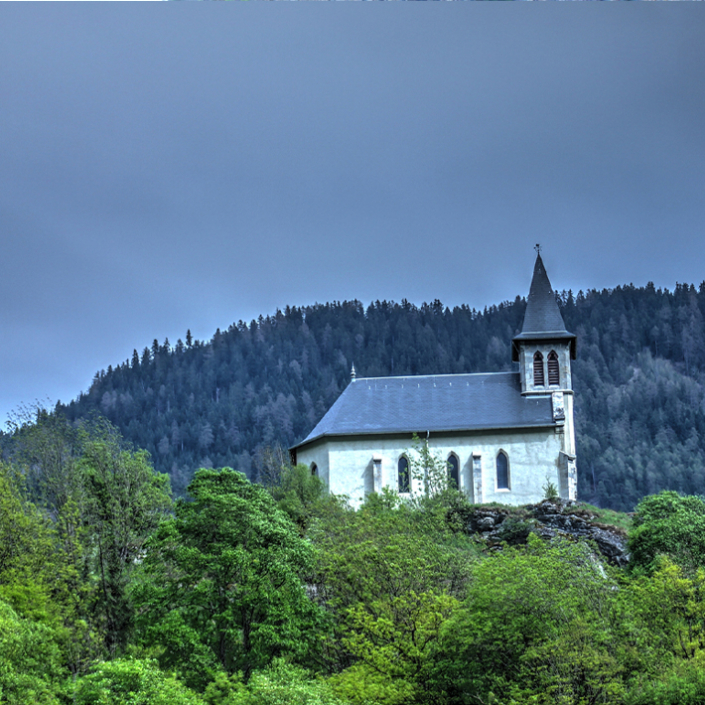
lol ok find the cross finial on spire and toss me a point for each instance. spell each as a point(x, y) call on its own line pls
point(352, 372)
point(538, 248)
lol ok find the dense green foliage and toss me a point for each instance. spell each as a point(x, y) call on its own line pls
point(638, 381)
point(670, 525)
point(222, 582)
point(132, 682)
point(30, 660)
point(536, 622)
point(241, 594)
point(124, 502)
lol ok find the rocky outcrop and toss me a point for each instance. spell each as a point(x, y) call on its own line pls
point(548, 519)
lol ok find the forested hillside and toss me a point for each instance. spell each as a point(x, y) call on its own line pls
point(226, 402)
point(251, 594)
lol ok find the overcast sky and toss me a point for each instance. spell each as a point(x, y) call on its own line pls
point(166, 166)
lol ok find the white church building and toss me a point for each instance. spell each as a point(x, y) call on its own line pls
point(504, 435)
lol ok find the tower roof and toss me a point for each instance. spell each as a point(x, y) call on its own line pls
point(542, 320)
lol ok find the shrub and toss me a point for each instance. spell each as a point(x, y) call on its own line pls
point(132, 682)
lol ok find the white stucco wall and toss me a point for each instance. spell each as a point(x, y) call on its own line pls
point(346, 465)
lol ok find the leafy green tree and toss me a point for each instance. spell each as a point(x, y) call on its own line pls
point(45, 448)
point(362, 684)
point(30, 661)
point(26, 548)
point(666, 614)
point(429, 471)
point(74, 590)
point(536, 627)
point(94, 504)
point(668, 524)
point(44, 569)
point(395, 641)
point(222, 584)
point(382, 572)
point(125, 501)
point(299, 494)
point(681, 683)
point(279, 684)
point(132, 682)
point(389, 548)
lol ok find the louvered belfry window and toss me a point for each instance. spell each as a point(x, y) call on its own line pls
point(538, 370)
point(554, 375)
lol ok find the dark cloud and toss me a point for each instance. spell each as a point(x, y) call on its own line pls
point(188, 166)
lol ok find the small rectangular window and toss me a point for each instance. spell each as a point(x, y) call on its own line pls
point(377, 476)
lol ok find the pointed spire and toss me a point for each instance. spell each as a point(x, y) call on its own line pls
point(542, 319)
point(352, 372)
point(542, 312)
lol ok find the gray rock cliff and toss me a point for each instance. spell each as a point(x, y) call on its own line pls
point(548, 519)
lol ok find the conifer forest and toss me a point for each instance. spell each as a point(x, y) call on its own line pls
point(261, 387)
point(157, 547)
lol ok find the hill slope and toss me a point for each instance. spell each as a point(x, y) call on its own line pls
point(638, 379)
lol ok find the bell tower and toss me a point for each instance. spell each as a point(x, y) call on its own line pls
point(544, 349)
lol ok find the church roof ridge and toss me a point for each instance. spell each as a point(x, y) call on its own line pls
point(445, 374)
point(435, 403)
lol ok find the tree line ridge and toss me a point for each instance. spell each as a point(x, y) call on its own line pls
point(261, 386)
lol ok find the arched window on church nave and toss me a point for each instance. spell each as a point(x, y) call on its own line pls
point(554, 375)
point(454, 471)
point(502, 471)
point(314, 470)
point(403, 475)
point(538, 369)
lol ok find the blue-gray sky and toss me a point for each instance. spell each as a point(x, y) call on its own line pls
point(165, 167)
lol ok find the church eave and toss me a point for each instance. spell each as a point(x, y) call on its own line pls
point(376, 433)
point(544, 337)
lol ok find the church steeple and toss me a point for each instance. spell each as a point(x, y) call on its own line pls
point(542, 314)
point(542, 319)
point(544, 348)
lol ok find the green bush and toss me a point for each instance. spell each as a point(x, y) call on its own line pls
point(668, 524)
point(29, 661)
point(535, 623)
point(132, 682)
point(682, 684)
point(514, 530)
point(280, 684)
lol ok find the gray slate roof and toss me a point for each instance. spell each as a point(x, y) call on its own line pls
point(542, 320)
point(376, 405)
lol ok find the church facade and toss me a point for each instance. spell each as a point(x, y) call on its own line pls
point(503, 435)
